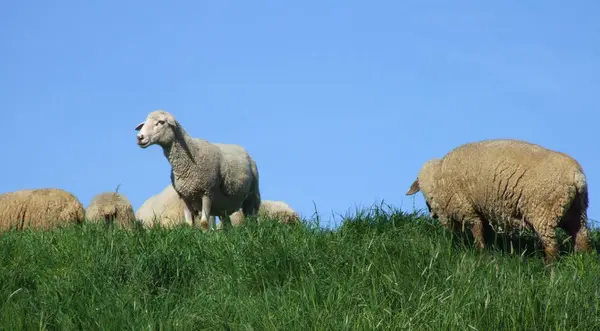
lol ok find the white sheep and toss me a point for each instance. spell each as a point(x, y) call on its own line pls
point(508, 183)
point(110, 207)
point(278, 210)
point(43, 208)
point(269, 209)
point(165, 208)
point(215, 179)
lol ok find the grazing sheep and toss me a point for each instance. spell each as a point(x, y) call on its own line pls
point(44, 208)
point(215, 179)
point(165, 208)
point(110, 207)
point(269, 209)
point(279, 210)
point(508, 183)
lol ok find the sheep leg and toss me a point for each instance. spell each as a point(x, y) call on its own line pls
point(479, 231)
point(226, 221)
point(211, 222)
point(544, 224)
point(550, 246)
point(582, 238)
point(575, 223)
point(580, 233)
point(204, 219)
point(187, 213)
point(480, 228)
point(204, 224)
point(547, 235)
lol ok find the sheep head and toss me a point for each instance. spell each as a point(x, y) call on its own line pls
point(425, 182)
point(158, 128)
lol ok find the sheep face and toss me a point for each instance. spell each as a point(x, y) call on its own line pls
point(426, 183)
point(156, 129)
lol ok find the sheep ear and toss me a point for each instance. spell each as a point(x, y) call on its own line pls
point(414, 188)
point(139, 126)
point(171, 120)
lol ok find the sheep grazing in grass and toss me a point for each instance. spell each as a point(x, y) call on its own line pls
point(111, 208)
point(278, 210)
point(165, 208)
point(269, 209)
point(211, 178)
point(43, 208)
point(508, 183)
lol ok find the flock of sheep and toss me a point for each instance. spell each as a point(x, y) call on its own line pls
point(207, 180)
point(486, 185)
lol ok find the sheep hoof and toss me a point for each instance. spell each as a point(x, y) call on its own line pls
point(551, 255)
point(204, 225)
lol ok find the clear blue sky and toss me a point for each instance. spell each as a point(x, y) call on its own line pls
point(340, 103)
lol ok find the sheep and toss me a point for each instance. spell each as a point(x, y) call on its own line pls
point(508, 183)
point(279, 210)
point(110, 207)
point(269, 209)
point(165, 208)
point(42, 208)
point(212, 178)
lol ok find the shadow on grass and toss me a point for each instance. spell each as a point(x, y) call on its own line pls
point(522, 242)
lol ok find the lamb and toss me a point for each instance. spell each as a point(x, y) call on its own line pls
point(110, 207)
point(269, 209)
point(43, 208)
point(211, 178)
point(508, 183)
point(165, 208)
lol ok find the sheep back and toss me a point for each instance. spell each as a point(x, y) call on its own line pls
point(278, 210)
point(44, 208)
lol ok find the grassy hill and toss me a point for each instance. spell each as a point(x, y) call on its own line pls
point(380, 270)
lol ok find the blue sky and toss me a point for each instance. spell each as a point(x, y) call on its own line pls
point(340, 103)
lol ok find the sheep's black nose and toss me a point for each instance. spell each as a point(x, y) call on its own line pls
point(140, 137)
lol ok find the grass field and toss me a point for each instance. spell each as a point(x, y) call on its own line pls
point(380, 270)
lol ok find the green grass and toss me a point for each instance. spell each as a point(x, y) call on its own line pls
point(379, 270)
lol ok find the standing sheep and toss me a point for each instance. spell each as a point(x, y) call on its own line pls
point(215, 179)
point(508, 183)
point(269, 209)
point(44, 208)
point(165, 208)
point(110, 207)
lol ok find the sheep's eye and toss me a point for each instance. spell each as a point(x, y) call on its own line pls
point(161, 122)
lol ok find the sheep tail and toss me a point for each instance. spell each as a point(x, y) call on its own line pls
point(582, 190)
